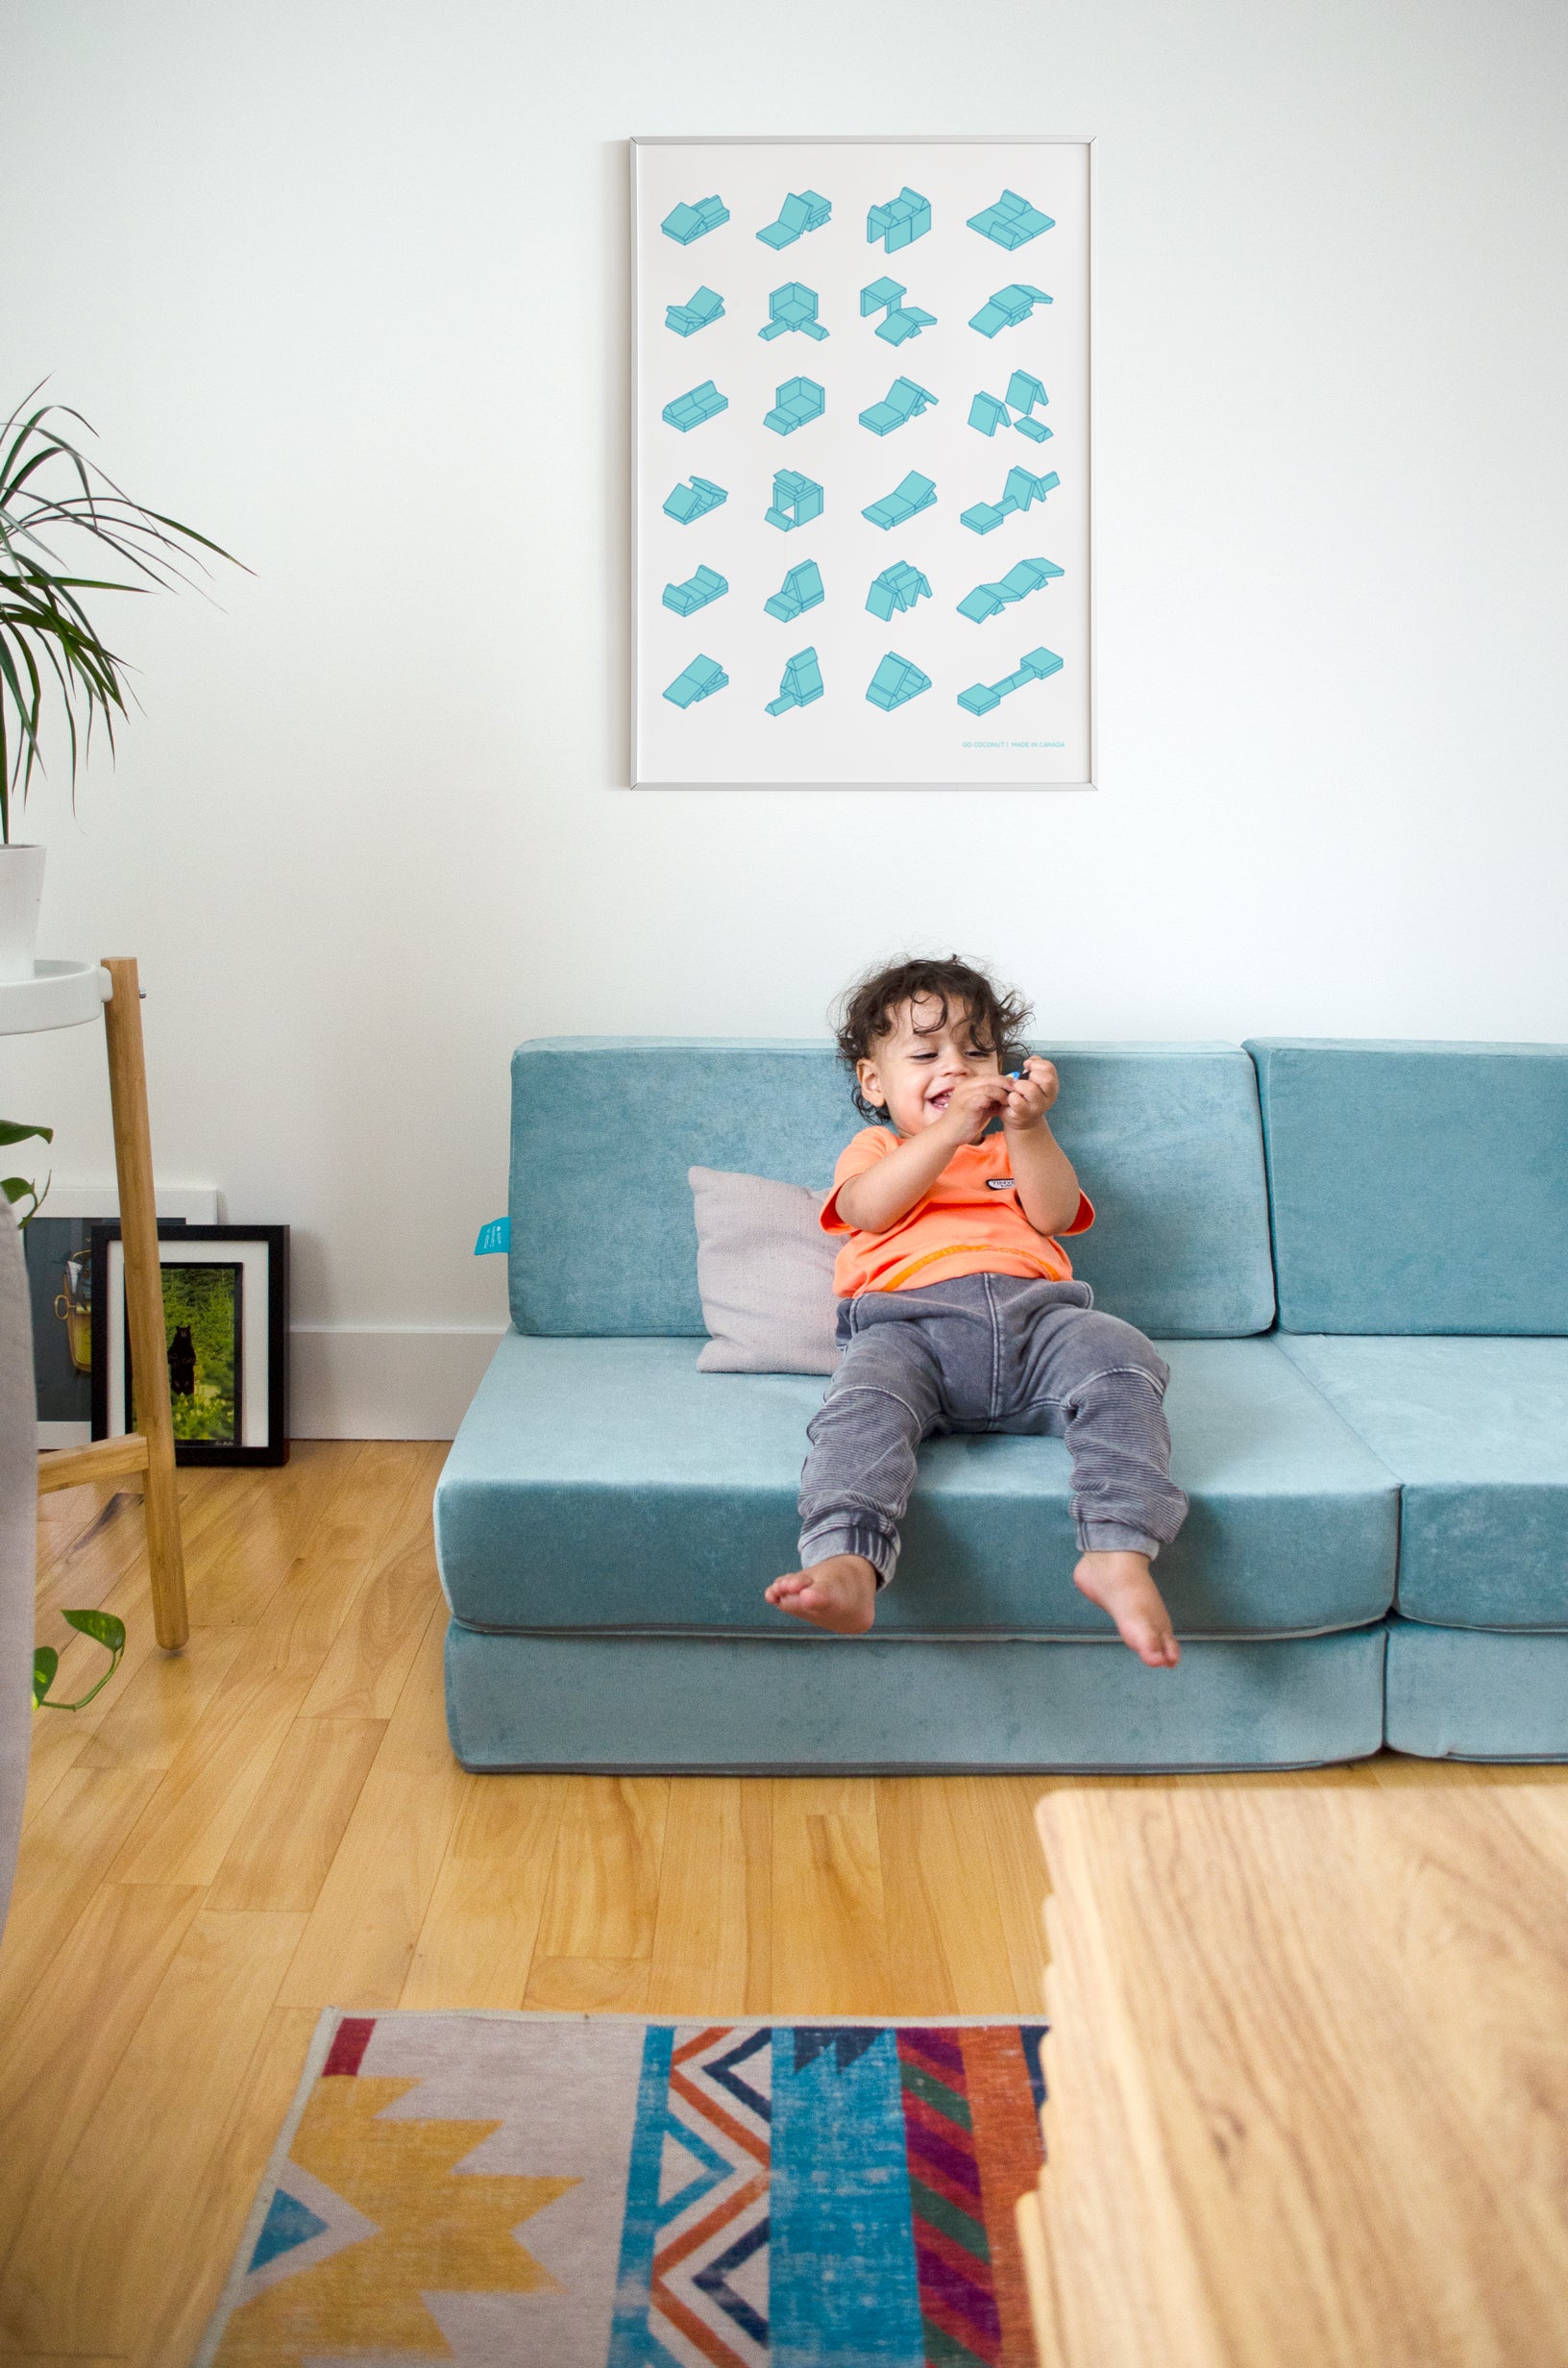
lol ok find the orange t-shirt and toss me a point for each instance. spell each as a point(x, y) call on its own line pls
point(969, 1223)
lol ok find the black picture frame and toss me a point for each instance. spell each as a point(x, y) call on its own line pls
point(256, 1368)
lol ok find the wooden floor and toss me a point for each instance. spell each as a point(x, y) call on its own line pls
point(272, 1821)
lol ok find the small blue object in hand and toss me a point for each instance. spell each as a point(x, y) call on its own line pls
point(497, 1235)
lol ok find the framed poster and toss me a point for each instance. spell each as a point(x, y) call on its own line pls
point(226, 1326)
point(861, 425)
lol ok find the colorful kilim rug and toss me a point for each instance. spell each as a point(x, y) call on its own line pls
point(595, 2191)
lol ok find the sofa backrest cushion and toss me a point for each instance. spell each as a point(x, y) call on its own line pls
point(1417, 1187)
point(1165, 1138)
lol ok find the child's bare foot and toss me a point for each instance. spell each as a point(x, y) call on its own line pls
point(1121, 1585)
point(840, 1594)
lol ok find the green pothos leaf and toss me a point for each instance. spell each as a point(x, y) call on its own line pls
point(105, 1628)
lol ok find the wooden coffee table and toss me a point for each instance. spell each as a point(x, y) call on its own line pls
point(1307, 2072)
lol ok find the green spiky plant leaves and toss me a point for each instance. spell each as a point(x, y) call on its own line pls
point(52, 493)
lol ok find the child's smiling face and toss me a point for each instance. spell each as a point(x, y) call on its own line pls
point(914, 1069)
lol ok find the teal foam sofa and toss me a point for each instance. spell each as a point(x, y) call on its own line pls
point(1355, 1258)
point(1419, 1197)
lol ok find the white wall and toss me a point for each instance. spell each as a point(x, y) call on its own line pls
point(346, 286)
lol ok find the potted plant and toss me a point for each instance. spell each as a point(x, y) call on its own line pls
point(51, 654)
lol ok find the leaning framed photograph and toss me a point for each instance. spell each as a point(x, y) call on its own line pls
point(226, 1329)
point(861, 385)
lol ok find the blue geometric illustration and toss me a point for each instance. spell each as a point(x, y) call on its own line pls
point(698, 312)
point(902, 321)
point(801, 590)
point(289, 2223)
point(795, 401)
point(1012, 222)
point(1023, 392)
point(796, 501)
point(802, 684)
point(906, 500)
point(1032, 667)
point(898, 586)
point(1009, 307)
point(895, 680)
point(1019, 490)
point(698, 403)
point(700, 680)
point(904, 401)
point(794, 306)
point(686, 599)
point(694, 500)
point(688, 222)
point(899, 223)
point(988, 599)
point(988, 413)
point(802, 210)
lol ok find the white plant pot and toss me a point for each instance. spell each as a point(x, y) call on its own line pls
point(21, 892)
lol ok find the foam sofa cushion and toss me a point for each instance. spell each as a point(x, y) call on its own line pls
point(765, 1274)
point(1165, 1137)
point(1475, 1432)
point(607, 1483)
point(810, 1704)
point(1469, 1693)
point(1417, 1187)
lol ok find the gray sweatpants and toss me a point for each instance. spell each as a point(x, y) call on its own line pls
point(988, 1352)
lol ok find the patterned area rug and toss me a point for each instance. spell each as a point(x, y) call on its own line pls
point(596, 2191)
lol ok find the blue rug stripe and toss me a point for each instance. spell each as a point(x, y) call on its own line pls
point(631, 2345)
point(842, 2285)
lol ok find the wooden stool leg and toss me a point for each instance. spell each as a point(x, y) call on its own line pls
point(144, 1301)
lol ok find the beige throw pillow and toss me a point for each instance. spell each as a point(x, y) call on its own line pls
point(765, 1272)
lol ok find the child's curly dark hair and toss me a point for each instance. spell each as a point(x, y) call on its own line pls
point(864, 1013)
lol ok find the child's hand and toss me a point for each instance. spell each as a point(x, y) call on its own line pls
point(973, 1104)
point(1029, 1096)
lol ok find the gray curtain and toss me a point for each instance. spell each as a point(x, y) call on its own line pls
point(19, 1541)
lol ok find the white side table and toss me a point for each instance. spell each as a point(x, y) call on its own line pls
point(66, 995)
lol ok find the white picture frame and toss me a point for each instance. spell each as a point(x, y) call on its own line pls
point(983, 592)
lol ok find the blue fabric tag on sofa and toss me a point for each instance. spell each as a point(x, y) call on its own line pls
point(497, 1235)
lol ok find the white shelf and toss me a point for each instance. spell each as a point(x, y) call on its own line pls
point(58, 994)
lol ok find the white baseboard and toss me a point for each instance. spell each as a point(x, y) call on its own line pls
point(353, 1382)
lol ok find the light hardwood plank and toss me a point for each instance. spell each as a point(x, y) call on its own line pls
point(364, 1928)
point(187, 1827)
point(946, 1941)
point(155, 1712)
point(830, 1942)
point(368, 1665)
point(588, 1985)
point(67, 1853)
point(476, 1943)
point(705, 1947)
point(283, 1852)
point(605, 1877)
point(64, 2047)
point(213, 1783)
point(65, 2359)
point(1309, 2092)
point(1003, 1811)
point(259, 1526)
point(178, 2305)
point(91, 2264)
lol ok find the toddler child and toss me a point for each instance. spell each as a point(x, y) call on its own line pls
point(958, 1310)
